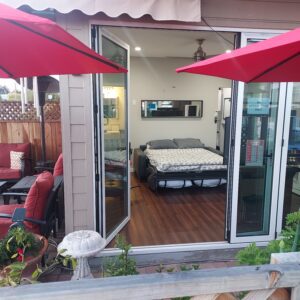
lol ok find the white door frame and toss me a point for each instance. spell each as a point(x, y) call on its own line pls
point(285, 144)
point(194, 246)
point(276, 157)
point(108, 35)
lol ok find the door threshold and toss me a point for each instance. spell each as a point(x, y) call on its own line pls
point(141, 250)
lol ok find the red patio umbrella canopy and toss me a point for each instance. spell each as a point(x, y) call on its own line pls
point(273, 60)
point(34, 46)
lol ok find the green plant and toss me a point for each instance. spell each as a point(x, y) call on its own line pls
point(16, 244)
point(122, 264)
point(11, 275)
point(59, 259)
point(253, 255)
point(291, 231)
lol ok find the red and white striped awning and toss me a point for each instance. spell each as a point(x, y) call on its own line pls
point(161, 10)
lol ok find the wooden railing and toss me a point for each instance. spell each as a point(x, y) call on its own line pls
point(259, 281)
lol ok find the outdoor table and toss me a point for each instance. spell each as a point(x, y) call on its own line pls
point(3, 187)
point(23, 185)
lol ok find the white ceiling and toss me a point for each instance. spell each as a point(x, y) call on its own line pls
point(172, 43)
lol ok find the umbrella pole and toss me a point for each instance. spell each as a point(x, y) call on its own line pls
point(42, 118)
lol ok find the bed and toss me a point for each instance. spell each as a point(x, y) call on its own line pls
point(179, 163)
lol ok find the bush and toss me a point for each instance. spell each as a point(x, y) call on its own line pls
point(122, 264)
point(253, 255)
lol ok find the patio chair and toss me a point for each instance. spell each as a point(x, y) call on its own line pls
point(39, 205)
point(56, 170)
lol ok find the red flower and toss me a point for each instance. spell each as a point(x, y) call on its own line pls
point(20, 251)
point(20, 258)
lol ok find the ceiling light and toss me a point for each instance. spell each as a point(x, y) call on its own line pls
point(137, 48)
point(228, 51)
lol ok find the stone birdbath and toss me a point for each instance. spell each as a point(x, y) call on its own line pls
point(81, 245)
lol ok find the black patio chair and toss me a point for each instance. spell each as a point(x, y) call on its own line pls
point(47, 223)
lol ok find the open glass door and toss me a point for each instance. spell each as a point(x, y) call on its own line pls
point(113, 157)
point(289, 187)
point(258, 138)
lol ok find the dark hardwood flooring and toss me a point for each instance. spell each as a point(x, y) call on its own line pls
point(174, 216)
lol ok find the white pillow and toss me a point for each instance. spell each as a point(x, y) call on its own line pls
point(16, 160)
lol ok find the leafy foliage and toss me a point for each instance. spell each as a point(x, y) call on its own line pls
point(12, 274)
point(122, 264)
point(16, 244)
point(253, 255)
point(13, 248)
point(291, 231)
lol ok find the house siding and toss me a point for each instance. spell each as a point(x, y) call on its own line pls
point(77, 131)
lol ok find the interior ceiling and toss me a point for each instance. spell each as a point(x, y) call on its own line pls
point(172, 43)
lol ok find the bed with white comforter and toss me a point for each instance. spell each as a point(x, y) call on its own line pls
point(177, 168)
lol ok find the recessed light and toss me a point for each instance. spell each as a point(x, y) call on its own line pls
point(137, 48)
point(228, 51)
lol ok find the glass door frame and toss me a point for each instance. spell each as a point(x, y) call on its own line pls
point(276, 157)
point(102, 207)
point(284, 155)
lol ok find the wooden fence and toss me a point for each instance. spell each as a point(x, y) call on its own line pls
point(23, 127)
point(204, 284)
point(30, 131)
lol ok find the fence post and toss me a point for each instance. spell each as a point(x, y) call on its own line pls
point(295, 293)
point(289, 257)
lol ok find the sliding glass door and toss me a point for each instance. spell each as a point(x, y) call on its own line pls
point(258, 139)
point(289, 192)
point(112, 138)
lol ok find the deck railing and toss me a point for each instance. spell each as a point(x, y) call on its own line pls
point(260, 281)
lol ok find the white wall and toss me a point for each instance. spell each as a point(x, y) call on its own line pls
point(155, 79)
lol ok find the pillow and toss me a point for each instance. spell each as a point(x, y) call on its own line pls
point(162, 144)
point(188, 143)
point(58, 168)
point(16, 160)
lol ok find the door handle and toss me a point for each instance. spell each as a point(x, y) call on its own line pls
point(269, 155)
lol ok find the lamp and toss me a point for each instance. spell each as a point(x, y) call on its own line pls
point(200, 54)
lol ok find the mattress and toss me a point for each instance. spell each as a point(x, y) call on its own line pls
point(178, 184)
point(182, 160)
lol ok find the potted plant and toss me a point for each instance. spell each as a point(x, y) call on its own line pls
point(20, 253)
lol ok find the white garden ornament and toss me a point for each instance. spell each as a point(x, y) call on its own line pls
point(81, 245)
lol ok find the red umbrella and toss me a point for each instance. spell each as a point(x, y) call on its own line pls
point(273, 60)
point(34, 46)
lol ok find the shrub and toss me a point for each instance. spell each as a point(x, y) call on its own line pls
point(122, 264)
point(253, 255)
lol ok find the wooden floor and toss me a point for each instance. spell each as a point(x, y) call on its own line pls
point(174, 216)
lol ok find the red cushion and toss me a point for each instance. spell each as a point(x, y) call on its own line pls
point(5, 223)
point(58, 168)
point(5, 152)
point(6, 173)
point(36, 199)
